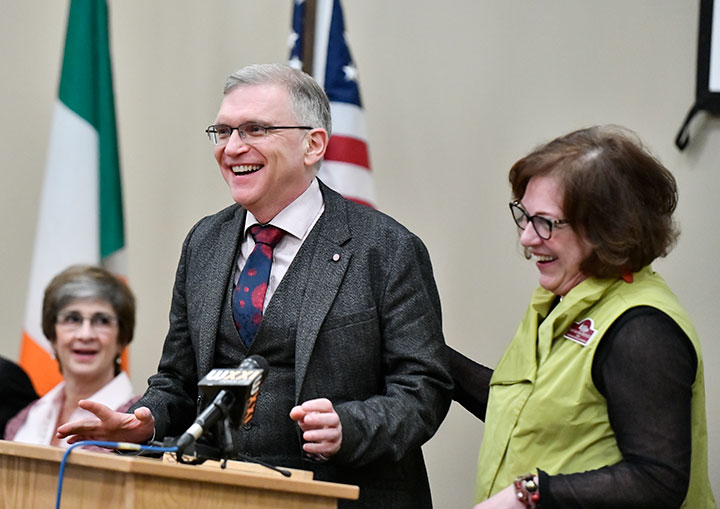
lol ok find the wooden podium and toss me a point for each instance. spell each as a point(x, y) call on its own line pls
point(29, 477)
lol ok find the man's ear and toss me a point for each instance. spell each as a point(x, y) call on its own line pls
point(316, 143)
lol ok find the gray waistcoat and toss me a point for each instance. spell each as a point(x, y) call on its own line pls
point(271, 434)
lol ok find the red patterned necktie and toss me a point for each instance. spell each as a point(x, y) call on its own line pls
point(249, 294)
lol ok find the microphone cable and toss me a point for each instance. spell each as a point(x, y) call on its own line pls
point(120, 446)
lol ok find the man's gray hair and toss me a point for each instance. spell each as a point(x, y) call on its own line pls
point(309, 101)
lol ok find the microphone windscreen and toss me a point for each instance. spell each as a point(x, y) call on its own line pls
point(254, 362)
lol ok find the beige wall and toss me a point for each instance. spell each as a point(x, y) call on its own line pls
point(455, 92)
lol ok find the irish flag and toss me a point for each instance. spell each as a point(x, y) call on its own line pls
point(80, 217)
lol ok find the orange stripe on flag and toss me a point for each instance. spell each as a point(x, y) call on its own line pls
point(39, 365)
point(42, 369)
point(125, 360)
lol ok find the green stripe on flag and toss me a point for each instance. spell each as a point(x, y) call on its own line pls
point(86, 88)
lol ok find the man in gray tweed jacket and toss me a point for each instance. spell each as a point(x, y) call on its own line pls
point(351, 328)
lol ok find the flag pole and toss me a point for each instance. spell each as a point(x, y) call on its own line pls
point(308, 42)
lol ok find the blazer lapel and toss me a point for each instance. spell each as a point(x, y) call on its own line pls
point(327, 268)
point(217, 271)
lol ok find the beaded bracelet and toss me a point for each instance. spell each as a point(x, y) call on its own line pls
point(527, 492)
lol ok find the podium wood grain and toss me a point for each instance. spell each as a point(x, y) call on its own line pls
point(29, 476)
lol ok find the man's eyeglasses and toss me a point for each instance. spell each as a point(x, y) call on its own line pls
point(73, 320)
point(220, 134)
point(543, 225)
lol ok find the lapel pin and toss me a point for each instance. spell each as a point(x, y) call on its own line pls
point(336, 257)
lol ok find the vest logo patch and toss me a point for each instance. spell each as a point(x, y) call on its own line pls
point(581, 332)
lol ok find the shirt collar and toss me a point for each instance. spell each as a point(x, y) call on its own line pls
point(297, 218)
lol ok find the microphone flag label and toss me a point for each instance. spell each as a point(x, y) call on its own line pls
point(242, 383)
point(254, 391)
point(217, 376)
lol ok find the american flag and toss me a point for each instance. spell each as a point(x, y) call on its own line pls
point(346, 167)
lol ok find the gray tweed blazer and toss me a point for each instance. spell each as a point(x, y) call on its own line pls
point(370, 289)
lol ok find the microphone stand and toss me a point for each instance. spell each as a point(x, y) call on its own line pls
point(226, 444)
point(226, 450)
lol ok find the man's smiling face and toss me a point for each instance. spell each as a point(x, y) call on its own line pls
point(264, 174)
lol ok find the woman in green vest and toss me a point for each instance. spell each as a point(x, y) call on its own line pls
point(599, 399)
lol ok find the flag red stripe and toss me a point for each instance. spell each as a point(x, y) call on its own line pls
point(348, 150)
point(360, 201)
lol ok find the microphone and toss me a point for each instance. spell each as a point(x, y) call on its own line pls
point(235, 393)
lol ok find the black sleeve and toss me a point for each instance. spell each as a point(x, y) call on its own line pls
point(16, 392)
point(472, 382)
point(645, 367)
